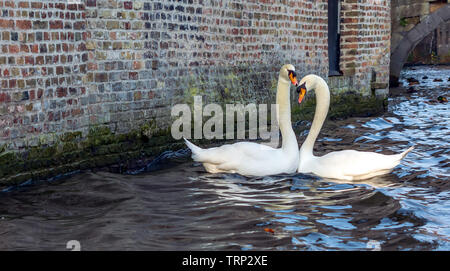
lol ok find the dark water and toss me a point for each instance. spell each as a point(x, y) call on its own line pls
point(181, 207)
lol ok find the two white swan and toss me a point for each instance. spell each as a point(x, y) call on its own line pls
point(251, 159)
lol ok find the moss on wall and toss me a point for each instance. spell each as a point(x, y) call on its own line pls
point(71, 151)
point(343, 105)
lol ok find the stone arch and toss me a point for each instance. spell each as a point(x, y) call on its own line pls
point(412, 38)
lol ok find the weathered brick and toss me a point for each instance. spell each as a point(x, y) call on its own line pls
point(56, 24)
point(61, 92)
point(91, 3)
point(101, 77)
point(40, 25)
point(110, 25)
point(72, 7)
point(23, 24)
point(6, 23)
point(13, 49)
point(128, 5)
point(24, 5)
point(9, 3)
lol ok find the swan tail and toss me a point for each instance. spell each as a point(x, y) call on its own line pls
point(194, 149)
point(403, 154)
point(399, 157)
point(394, 159)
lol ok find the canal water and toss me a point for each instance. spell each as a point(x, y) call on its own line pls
point(178, 206)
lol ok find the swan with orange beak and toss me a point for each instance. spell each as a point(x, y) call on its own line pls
point(346, 164)
point(252, 159)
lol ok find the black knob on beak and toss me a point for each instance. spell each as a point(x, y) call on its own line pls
point(300, 87)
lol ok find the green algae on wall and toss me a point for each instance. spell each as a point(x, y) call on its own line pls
point(344, 105)
point(242, 83)
point(72, 152)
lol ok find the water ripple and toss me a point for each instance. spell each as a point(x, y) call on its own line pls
point(180, 206)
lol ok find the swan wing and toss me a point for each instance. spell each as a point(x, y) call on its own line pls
point(354, 164)
point(229, 152)
point(246, 158)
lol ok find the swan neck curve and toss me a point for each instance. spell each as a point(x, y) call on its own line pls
point(289, 141)
point(322, 104)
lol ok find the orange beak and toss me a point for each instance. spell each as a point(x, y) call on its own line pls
point(293, 78)
point(301, 90)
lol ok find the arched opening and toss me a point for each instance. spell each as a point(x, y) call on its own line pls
point(400, 54)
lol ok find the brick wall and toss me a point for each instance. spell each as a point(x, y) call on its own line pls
point(42, 62)
point(149, 55)
point(67, 67)
point(365, 43)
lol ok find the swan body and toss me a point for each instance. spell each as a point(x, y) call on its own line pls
point(252, 159)
point(347, 164)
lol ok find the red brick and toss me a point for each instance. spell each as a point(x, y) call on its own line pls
point(29, 60)
point(128, 5)
point(101, 77)
point(133, 76)
point(9, 4)
point(350, 46)
point(72, 7)
point(4, 97)
point(56, 25)
point(6, 23)
point(60, 6)
point(61, 92)
point(91, 3)
point(14, 49)
point(34, 48)
point(32, 94)
point(24, 5)
point(137, 65)
point(39, 60)
point(36, 5)
point(23, 24)
point(59, 70)
point(78, 25)
point(12, 83)
point(40, 93)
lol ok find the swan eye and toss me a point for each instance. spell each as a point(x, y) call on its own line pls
point(293, 77)
point(301, 88)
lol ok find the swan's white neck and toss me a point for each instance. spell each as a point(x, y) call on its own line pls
point(289, 141)
point(322, 105)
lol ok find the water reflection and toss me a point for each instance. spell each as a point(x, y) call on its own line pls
point(174, 204)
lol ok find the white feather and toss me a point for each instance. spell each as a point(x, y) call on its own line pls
point(252, 159)
point(346, 164)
